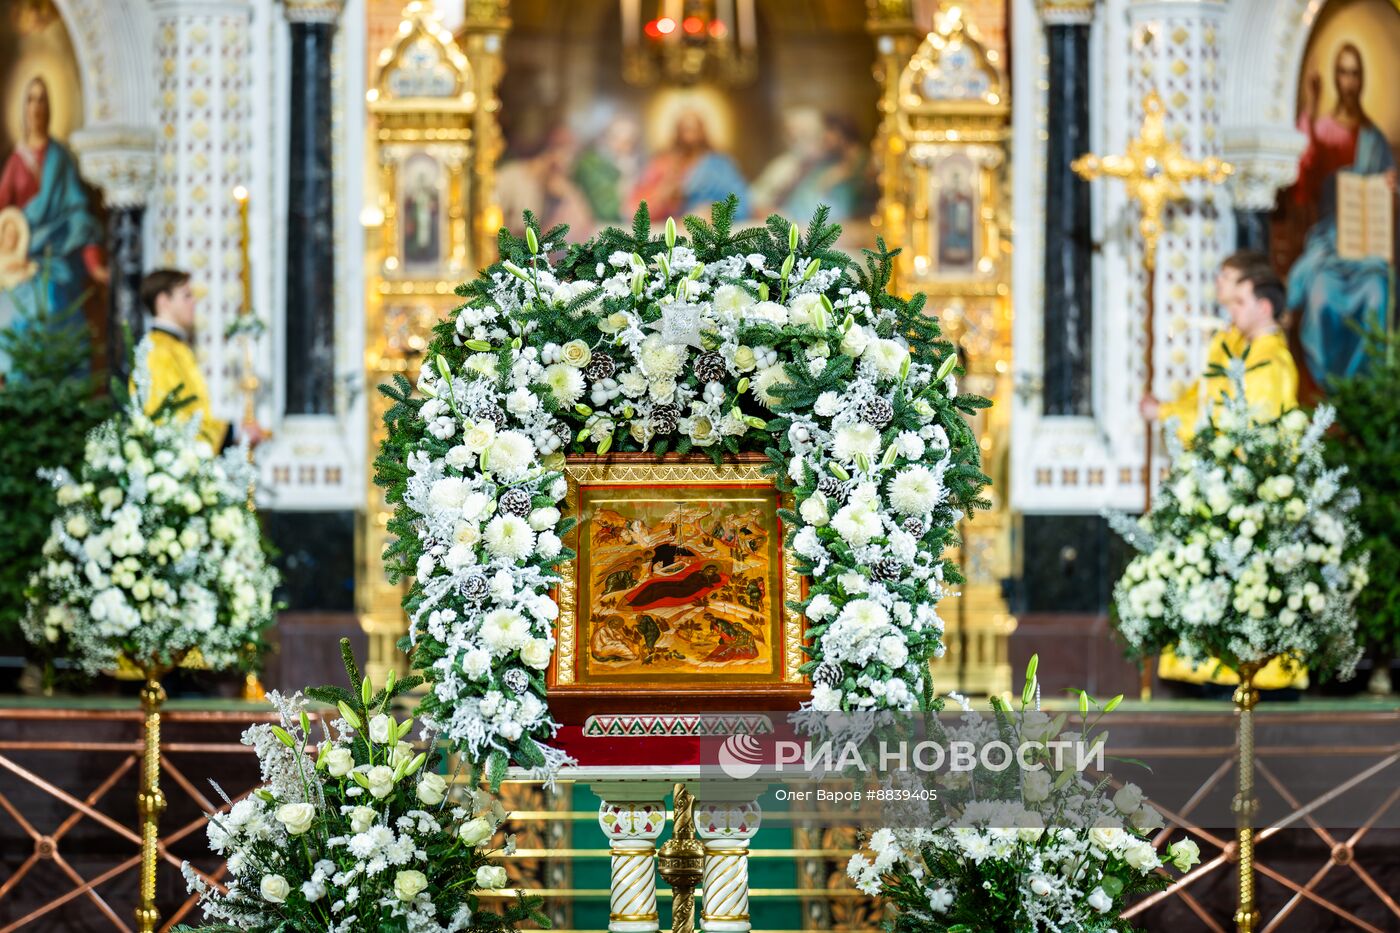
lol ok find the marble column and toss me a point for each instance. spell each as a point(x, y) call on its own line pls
point(121, 163)
point(1069, 300)
point(632, 817)
point(204, 50)
point(726, 826)
point(310, 294)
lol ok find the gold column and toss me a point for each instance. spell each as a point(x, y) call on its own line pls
point(1245, 805)
point(150, 801)
point(891, 23)
point(487, 23)
point(681, 862)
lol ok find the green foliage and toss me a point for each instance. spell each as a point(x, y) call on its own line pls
point(1367, 442)
point(48, 405)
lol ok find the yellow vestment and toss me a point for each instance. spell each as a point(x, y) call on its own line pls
point(172, 364)
point(1271, 385)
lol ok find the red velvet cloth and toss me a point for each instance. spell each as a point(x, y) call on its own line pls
point(601, 751)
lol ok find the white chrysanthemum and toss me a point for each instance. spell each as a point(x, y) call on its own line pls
point(509, 537)
point(565, 381)
point(504, 630)
point(857, 524)
point(916, 490)
point(853, 439)
point(661, 360)
point(448, 494)
point(730, 301)
point(887, 356)
point(510, 455)
point(768, 311)
point(826, 405)
point(766, 379)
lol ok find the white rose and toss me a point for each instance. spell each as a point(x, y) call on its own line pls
point(745, 360)
point(408, 884)
point(475, 832)
point(361, 819)
point(274, 889)
point(855, 341)
point(1128, 799)
point(1147, 819)
point(1107, 837)
point(379, 728)
point(1036, 785)
point(887, 356)
point(814, 511)
point(479, 437)
point(1140, 856)
point(536, 653)
point(1099, 900)
point(381, 782)
point(1039, 886)
point(1184, 853)
point(297, 817)
point(432, 788)
point(490, 876)
point(807, 311)
point(575, 353)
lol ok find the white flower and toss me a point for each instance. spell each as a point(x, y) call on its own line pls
point(448, 494)
point(1128, 799)
point(826, 699)
point(1099, 900)
point(807, 310)
point(297, 817)
point(939, 900)
point(857, 524)
point(887, 356)
point(490, 877)
point(661, 360)
point(478, 437)
point(1107, 836)
point(274, 889)
point(510, 455)
point(814, 511)
point(1035, 786)
point(893, 651)
point(432, 788)
point(916, 490)
point(362, 818)
point(339, 762)
point(379, 728)
point(820, 607)
point(381, 781)
point(522, 401)
point(504, 630)
point(408, 884)
point(826, 405)
point(909, 445)
point(475, 832)
point(1184, 853)
point(1039, 886)
point(730, 301)
point(77, 526)
point(544, 519)
point(575, 353)
point(769, 311)
point(1141, 856)
point(766, 380)
point(565, 382)
point(509, 537)
point(854, 439)
point(855, 340)
point(536, 653)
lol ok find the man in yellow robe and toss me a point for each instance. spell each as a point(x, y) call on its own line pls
point(168, 297)
point(1255, 297)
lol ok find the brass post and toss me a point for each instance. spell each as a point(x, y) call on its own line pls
point(150, 802)
point(682, 862)
point(1245, 805)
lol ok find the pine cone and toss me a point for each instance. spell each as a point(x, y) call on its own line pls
point(709, 367)
point(915, 526)
point(827, 675)
point(665, 419)
point(515, 502)
point(492, 414)
point(878, 411)
point(599, 368)
point(475, 588)
point(516, 680)
point(887, 568)
point(831, 487)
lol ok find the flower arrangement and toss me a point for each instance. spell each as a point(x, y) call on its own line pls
point(1248, 552)
point(1034, 849)
point(362, 836)
point(759, 340)
point(153, 553)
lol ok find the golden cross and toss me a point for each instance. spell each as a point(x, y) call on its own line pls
point(1153, 169)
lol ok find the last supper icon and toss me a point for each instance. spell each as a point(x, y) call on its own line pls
point(679, 586)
